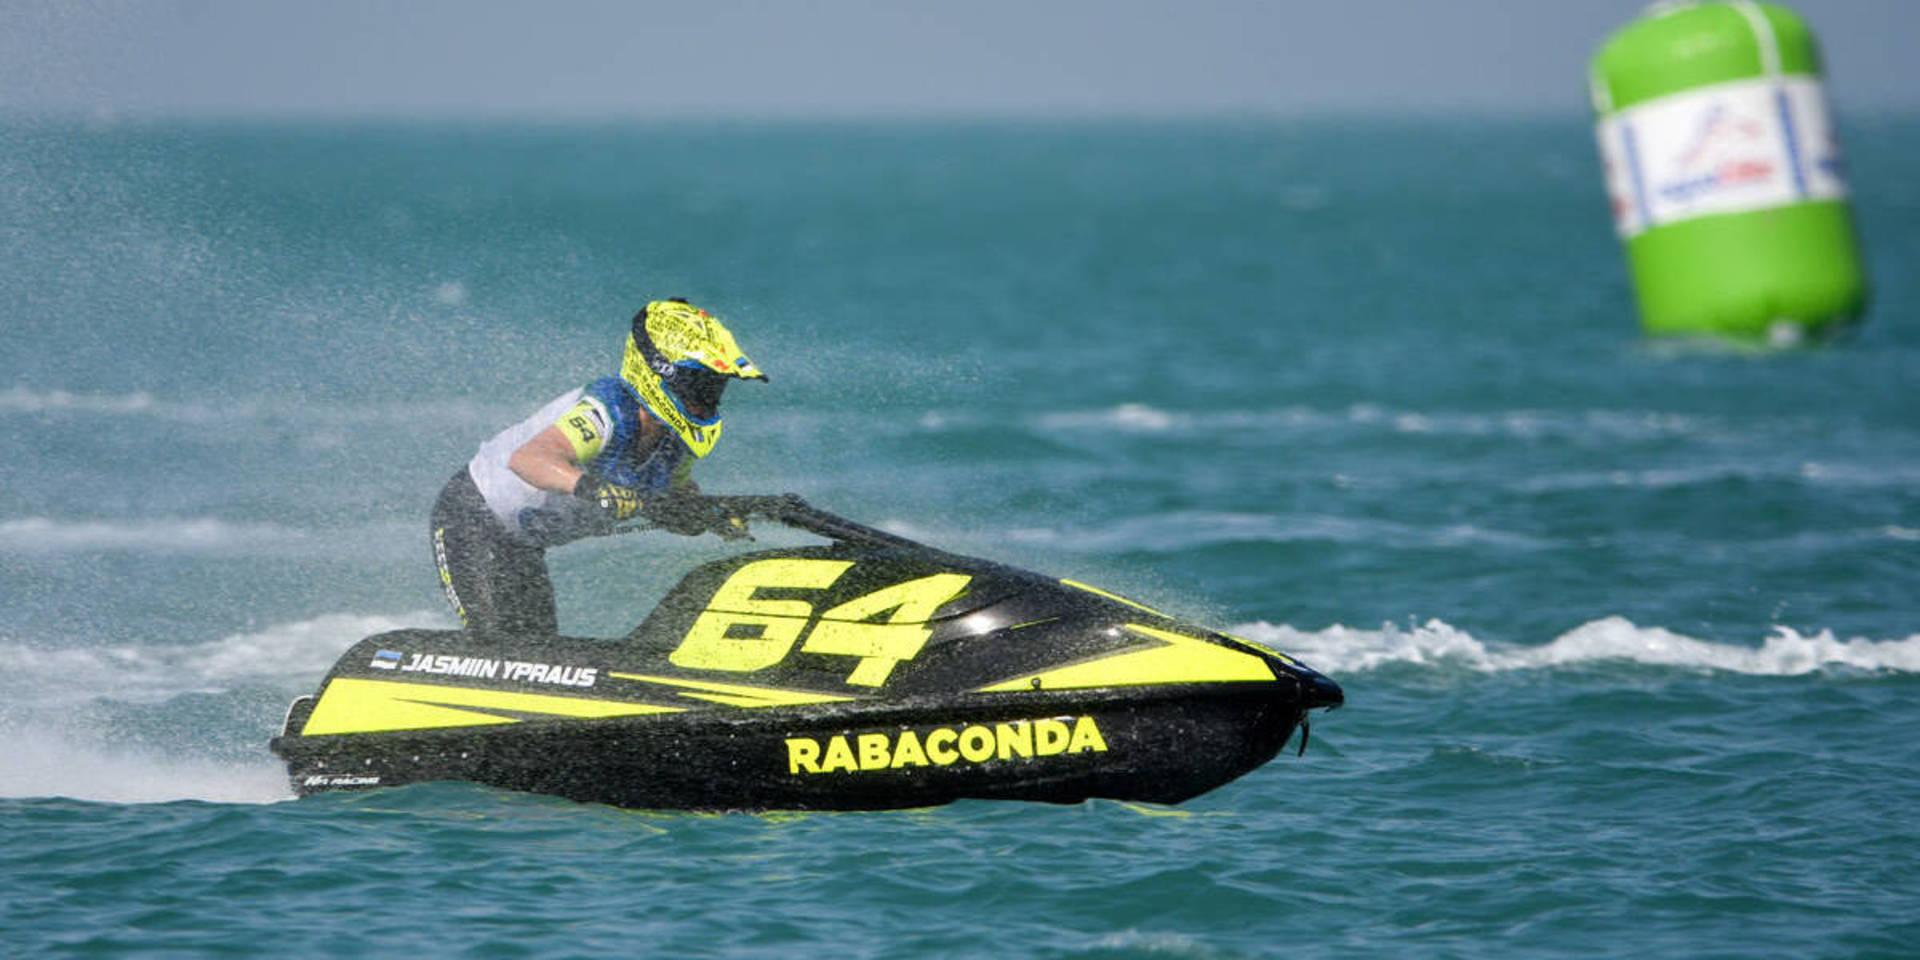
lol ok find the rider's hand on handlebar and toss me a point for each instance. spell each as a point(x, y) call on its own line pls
point(731, 528)
point(619, 502)
point(693, 515)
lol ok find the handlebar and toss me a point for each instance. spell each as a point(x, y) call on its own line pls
point(790, 509)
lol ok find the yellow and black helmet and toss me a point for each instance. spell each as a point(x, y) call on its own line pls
point(679, 359)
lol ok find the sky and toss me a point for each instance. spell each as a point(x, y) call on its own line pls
point(568, 59)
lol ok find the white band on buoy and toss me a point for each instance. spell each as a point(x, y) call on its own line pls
point(1728, 148)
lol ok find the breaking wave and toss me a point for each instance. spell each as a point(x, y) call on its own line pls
point(21, 400)
point(182, 535)
point(1185, 530)
point(1179, 531)
point(41, 763)
point(47, 694)
point(288, 654)
point(191, 535)
point(1862, 476)
point(1786, 652)
point(1519, 424)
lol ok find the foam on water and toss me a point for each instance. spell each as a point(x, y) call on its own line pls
point(1837, 475)
point(19, 399)
point(1786, 652)
point(175, 535)
point(1591, 424)
point(52, 753)
point(289, 654)
point(235, 413)
point(47, 763)
point(1190, 529)
point(200, 536)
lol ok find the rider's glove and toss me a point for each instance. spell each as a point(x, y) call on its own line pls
point(691, 516)
point(728, 527)
point(618, 502)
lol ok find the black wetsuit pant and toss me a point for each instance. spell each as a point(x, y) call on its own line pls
point(494, 581)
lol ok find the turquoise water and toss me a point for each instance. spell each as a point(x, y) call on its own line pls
point(1627, 629)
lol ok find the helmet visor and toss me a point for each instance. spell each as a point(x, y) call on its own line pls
point(698, 391)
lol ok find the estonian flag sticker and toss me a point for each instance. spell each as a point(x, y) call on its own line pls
point(385, 660)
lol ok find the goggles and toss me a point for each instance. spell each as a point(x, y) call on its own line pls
point(696, 391)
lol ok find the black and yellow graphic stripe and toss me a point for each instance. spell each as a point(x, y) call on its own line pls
point(354, 705)
point(1176, 658)
point(735, 694)
point(357, 705)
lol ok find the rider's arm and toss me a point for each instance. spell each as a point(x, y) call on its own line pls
point(554, 458)
point(547, 461)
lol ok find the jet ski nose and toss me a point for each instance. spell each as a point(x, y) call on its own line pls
point(1317, 691)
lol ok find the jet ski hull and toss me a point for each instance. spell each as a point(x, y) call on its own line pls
point(1159, 747)
point(870, 673)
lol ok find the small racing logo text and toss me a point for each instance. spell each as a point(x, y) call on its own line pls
point(341, 780)
point(488, 668)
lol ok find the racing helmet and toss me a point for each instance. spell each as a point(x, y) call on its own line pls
point(679, 360)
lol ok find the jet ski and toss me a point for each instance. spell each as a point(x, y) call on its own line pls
point(870, 672)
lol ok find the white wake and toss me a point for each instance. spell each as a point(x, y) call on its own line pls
point(45, 693)
point(1784, 652)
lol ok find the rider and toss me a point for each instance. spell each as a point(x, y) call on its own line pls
point(593, 457)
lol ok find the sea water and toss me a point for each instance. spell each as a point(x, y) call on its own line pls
point(1627, 629)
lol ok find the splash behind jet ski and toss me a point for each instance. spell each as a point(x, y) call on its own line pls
point(871, 672)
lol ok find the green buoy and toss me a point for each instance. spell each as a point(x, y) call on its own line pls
point(1724, 173)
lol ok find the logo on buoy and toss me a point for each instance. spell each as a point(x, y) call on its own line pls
point(1728, 150)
